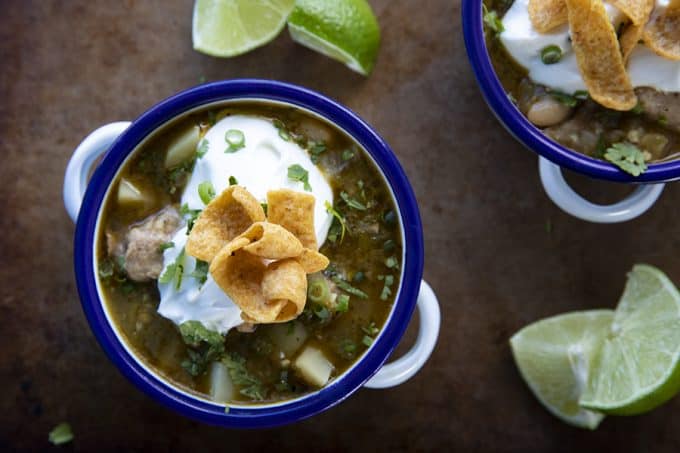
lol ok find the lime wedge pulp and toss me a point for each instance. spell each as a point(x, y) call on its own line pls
point(226, 28)
point(637, 367)
point(554, 356)
point(345, 30)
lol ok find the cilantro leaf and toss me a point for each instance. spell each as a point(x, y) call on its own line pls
point(200, 272)
point(165, 245)
point(627, 157)
point(298, 173)
point(315, 150)
point(190, 215)
point(340, 219)
point(564, 98)
point(174, 271)
point(206, 346)
point(351, 202)
point(492, 21)
point(248, 384)
point(169, 274)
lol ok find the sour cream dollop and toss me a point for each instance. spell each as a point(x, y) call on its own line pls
point(260, 166)
point(524, 43)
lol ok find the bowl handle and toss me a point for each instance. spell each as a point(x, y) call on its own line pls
point(572, 203)
point(82, 161)
point(409, 364)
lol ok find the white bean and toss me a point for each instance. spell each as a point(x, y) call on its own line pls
point(547, 111)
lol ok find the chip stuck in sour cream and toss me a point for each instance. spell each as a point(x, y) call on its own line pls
point(248, 151)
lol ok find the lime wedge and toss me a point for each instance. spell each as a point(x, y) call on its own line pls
point(345, 30)
point(554, 356)
point(637, 367)
point(225, 28)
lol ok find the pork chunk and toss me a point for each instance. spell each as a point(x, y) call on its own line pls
point(143, 258)
point(659, 105)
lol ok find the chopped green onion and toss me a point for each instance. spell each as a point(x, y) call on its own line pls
point(61, 434)
point(342, 303)
point(264, 207)
point(371, 329)
point(322, 312)
point(351, 202)
point(105, 269)
point(392, 262)
point(202, 148)
point(235, 139)
point(284, 135)
point(581, 95)
point(389, 246)
point(318, 291)
point(387, 290)
point(232, 181)
point(343, 285)
point(663, 120)
point(206, 191)
point(551, 54)
point(347, 154)
point(298, 173)
point(638, 109)
point(390, 218)
point(367, 341)
point(349, 346)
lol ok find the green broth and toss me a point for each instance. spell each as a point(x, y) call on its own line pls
point(371, 248)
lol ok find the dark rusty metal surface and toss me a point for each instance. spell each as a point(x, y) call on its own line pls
point(498, 253)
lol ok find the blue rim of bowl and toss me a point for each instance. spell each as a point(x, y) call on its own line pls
point(529, 135)
point(262, 415)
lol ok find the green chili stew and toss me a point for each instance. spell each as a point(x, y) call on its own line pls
point(650, 132)
point(347, 304)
